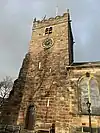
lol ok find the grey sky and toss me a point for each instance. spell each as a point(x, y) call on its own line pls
point(15, 29)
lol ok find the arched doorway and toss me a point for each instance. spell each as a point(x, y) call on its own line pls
point(30, 118)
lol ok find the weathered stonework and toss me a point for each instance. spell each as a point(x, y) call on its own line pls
point(48, 80)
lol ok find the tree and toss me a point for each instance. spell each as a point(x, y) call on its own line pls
point(5, 87)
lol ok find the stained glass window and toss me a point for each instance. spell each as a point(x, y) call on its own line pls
point(88, 88)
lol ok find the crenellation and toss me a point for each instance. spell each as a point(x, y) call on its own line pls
point(51, 21)
point(48, 89)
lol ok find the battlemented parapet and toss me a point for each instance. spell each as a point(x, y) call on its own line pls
point(47, 96)
point(51, 21)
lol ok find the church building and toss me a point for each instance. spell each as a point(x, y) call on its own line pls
point(52, 93)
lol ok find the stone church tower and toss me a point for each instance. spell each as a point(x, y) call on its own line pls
point(45, 97)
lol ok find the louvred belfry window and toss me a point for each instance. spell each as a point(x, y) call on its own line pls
point(48, 30)
point(84, 84)
point(30, 118)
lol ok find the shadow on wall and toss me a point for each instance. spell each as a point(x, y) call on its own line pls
point(10, 109)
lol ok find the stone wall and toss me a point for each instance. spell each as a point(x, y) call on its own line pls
point(76, 72)
point(39, 85)
point(10, 109)
point(47, 81)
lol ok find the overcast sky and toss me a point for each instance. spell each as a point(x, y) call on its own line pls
point(15, 29)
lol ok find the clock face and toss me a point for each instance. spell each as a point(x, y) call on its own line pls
point(47, 43)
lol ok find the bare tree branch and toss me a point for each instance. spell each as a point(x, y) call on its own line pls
point(5, 87)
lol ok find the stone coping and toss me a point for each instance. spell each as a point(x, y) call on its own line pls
point(9, 127)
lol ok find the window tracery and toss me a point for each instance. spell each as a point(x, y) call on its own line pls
point(88, 90)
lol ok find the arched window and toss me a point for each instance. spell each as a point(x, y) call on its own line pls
point(30, 118)
point(88, 90)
